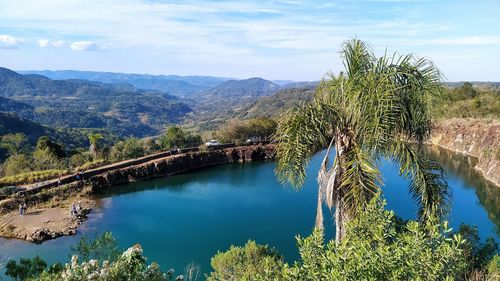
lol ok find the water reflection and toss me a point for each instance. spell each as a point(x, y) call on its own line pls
point(462, 166)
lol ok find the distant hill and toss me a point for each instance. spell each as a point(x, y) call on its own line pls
point(476, 83)
point(122, 108)
point(215, 106)
point(274, 105)
point(20, 108)
point(239, 91)
point(181, 86)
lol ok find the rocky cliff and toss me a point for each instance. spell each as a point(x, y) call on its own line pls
point(475, 137)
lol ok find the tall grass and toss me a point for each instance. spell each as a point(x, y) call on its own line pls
point(31, 177)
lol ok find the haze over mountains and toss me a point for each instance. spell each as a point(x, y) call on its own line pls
point(211, 100)
point(142, 104)
point(182, 86)
point(125, 104)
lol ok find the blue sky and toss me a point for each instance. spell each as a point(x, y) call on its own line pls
point(288, 39)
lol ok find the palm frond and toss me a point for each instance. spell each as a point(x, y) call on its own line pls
point(301, 132)
point(360, 179)
point(428, 184)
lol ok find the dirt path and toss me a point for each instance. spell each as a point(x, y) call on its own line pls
point(42, 224)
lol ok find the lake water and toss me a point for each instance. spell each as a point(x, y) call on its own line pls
point(187, 218)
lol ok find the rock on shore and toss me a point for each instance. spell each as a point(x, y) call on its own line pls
point(39, 225)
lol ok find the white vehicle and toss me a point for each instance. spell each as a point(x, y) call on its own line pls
point(253, 140)
point(213, 143)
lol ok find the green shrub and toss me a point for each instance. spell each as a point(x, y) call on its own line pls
point(251, 262)
point(376, 247)
point(130, 265)
point(25, 269)
point(493, 268)
point(16, 164)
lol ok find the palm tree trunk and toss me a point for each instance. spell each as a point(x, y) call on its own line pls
point(340, 218)
point(323, 178)
point(319, 209)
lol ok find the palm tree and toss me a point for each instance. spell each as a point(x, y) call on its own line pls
point(94, 139)
point(374, 110)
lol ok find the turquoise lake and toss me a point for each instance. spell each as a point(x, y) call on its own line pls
point(187, 218)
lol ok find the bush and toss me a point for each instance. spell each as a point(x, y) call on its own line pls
point(468, 101)
point(26, 268)
point(477, 253)
point(127, 149)
point(131, 265)
point(176, 137)
point(251, 262)
point(81, 158)
point(239, 131)
point(16, 164)
point(44, 159)
point(373, 249)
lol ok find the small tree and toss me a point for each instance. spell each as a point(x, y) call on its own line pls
point(44, 159)
point(26, 268)
point(13, 143)
point(94, 139)
point(16, 164)
point(101, 248)
point(45, 143)
point(176, 137)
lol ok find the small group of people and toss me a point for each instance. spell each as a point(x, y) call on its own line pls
point(76, 208)
point(23, 209)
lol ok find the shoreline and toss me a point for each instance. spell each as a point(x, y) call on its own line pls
point(49, 222)
point(44, 221)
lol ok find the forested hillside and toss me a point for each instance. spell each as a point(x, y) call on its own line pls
point(227, 100)
point(121, 109)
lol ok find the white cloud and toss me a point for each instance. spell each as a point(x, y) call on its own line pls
point(8, 42)
point(57, 44)
point(43, 43)
point(83, 46)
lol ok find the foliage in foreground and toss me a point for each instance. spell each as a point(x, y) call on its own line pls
point(246, 263)
point(373, 249)
point(131, 265)
point(376, 247)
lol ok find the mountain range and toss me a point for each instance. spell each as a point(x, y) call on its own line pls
point(181, 86)
point(120, 108)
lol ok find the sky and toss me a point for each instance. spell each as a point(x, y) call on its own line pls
point(287, 39)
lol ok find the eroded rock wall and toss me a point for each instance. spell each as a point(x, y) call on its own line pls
point(180, 163)
point(476, 137)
